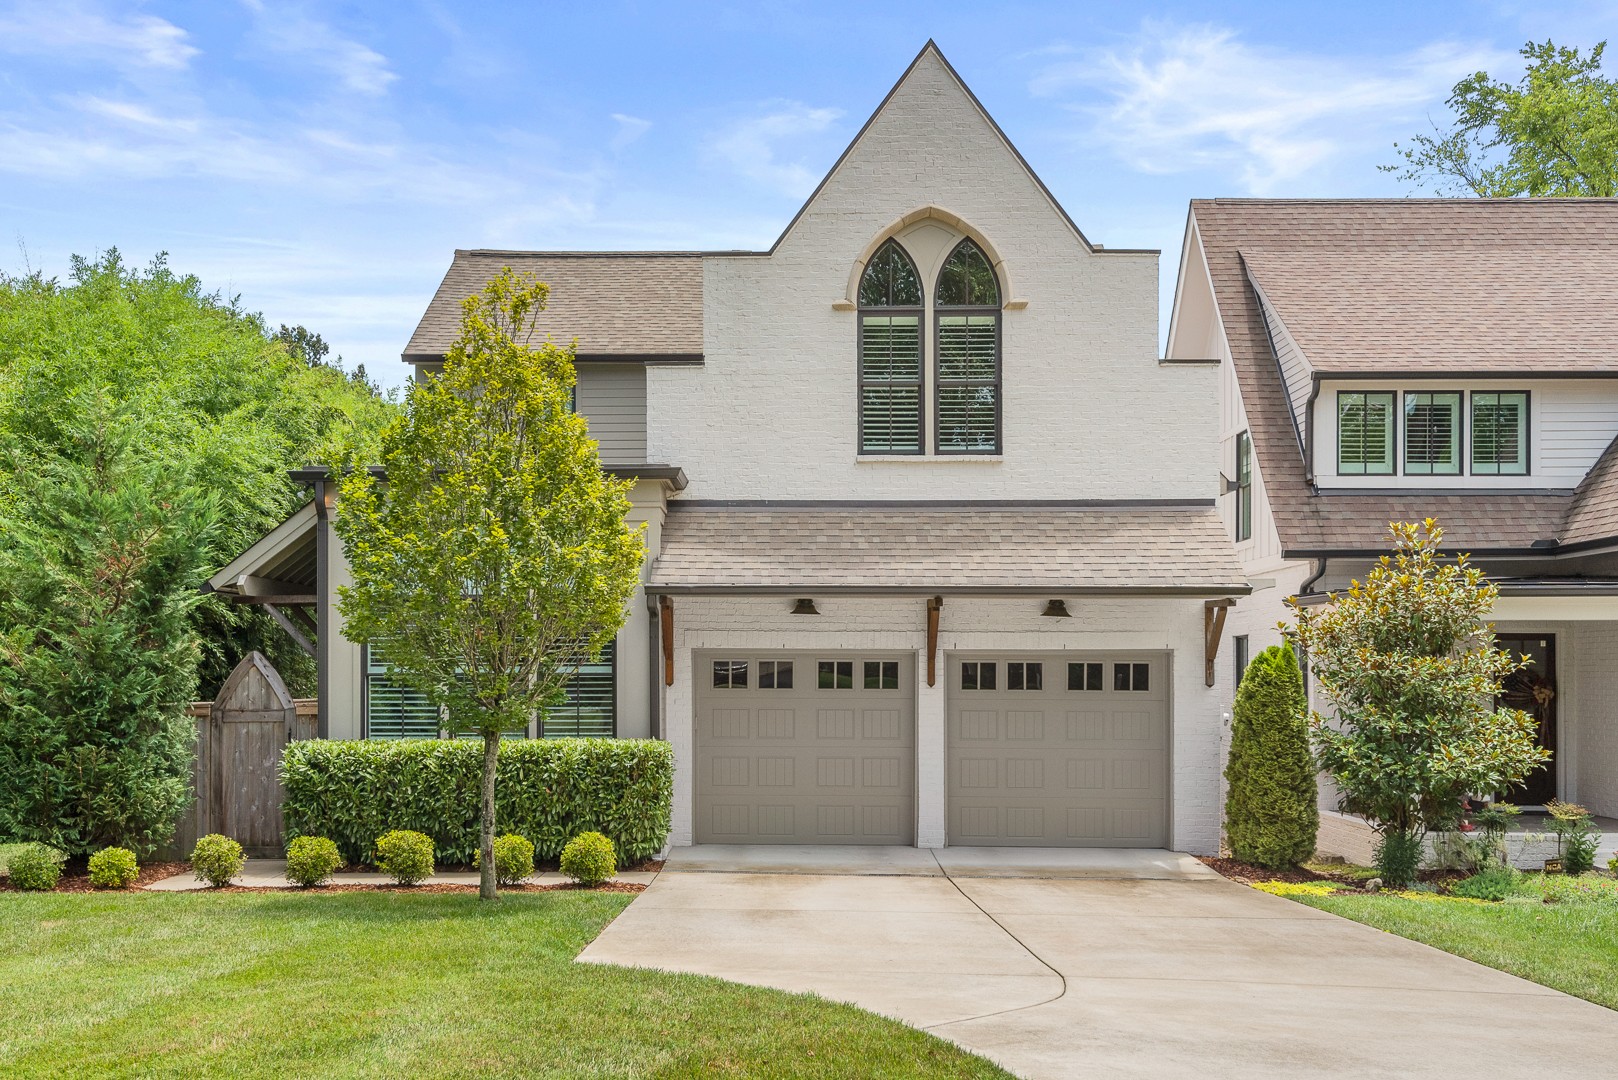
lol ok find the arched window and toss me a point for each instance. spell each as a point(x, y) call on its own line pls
point(890, 354)
point(967, 312)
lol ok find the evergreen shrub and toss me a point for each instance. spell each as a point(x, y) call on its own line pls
point(513, 859)
point(113, 868)
point(405, 855)
point(589, 859)
point(549, 790)
point(312, 860)
point(1270, 812)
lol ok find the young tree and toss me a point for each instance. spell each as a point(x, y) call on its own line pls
point(495, 557)
point(1409, 664)
point(1553, 133)
point(1270, 812)
point(99, 564)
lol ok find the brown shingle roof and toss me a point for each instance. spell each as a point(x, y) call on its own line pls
point(617, 305)
point(885, 547)
point(1499, 307)
point(1594, 515)
point(1403, 237)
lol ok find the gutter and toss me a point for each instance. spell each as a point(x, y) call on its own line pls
point(810, 589)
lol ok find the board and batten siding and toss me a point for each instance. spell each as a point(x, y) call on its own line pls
point(612, 397)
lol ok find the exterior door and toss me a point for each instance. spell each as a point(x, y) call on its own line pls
point(1532, 688)
point(805, 748)
point(1058, 750)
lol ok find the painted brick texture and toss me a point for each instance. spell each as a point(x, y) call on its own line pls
point(1088, 411)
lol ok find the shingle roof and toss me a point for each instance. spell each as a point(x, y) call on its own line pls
point(1390, 306)
point(1405, 237)
point(1594, 514)
point(884, 547)
point(630, 305)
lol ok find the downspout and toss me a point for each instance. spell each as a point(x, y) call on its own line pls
point(654, 655)
point(1309, 439)
point(1308, 585)
point(322, 611)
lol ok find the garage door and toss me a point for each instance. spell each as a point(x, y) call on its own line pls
point(1058, 750)
point(805, 748)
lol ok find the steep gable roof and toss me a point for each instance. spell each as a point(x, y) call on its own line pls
point(1399, 259)
point(930, 54)
point(628, 306)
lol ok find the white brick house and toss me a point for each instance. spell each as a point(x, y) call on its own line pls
point(934, 556)
point(1393, 360)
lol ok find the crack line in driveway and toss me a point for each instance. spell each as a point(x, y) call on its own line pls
point(1024, 946)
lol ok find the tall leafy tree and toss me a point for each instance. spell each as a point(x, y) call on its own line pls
point(99, 560)
point(1553, 132)
point(203, 391)
point(1407, 661)
point(495, 558)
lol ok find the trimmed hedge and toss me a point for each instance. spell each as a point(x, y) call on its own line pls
point(548, 790)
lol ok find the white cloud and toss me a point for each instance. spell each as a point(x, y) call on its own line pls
point(290, 31)
point(630, 128)
point(1199, 98)
point(76, 32)
point(756, 146)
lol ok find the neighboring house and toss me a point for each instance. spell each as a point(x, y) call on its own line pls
point(1394, 360)
point(934, 555)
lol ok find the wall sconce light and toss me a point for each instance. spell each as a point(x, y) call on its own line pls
point(805, 606)
point(1057, 609)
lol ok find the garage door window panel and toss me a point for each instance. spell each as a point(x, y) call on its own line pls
point(1025, 675)
point(976, 675)
point(730, 674)
point(836, 674)
point(1085, 676)
point(775, 674)
point(881, 674)
point(1132, 677)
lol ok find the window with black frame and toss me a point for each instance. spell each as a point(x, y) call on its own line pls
point(1244, 486)
point(890, 354)
point(1432, 433)
point(966, 318)
point(1365, 433)
point(591, 708)
point(1499, 433)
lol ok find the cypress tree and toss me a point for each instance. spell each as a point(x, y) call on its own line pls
point(1270, 811)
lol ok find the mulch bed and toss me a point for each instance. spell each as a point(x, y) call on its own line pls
point(1248, 874)
point(77, 878)
point(609, 886)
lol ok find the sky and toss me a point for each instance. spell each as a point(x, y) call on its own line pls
point(322, 161)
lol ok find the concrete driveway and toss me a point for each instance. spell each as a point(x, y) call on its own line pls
point(1069, 964)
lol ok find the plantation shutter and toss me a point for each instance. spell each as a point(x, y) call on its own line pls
point(1432, 434)
point(890, 384)
point(393, 710)
point(1500, 434)
point(969, 383)
point(590, 711)
point(1364, 433)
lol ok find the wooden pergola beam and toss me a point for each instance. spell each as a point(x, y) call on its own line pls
point(1213, 629)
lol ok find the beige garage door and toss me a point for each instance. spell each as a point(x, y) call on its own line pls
point(805, 748)
point(1058, 750)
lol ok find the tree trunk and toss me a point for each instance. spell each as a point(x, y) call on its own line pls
point(491, 757)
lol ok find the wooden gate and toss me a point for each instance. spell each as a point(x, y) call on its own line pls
point(240, 738)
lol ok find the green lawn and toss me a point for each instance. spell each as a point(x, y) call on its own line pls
point(373, 984)
point(1571, 945)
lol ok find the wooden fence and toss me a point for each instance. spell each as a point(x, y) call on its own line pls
point(240, 737)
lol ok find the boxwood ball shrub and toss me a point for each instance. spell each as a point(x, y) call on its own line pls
point(513, 859)
point(405, 855)
point(36, 867)
point(113, 868)
point(312, 860)
point(548, 790)
point(217, 860)
point(589, 859)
